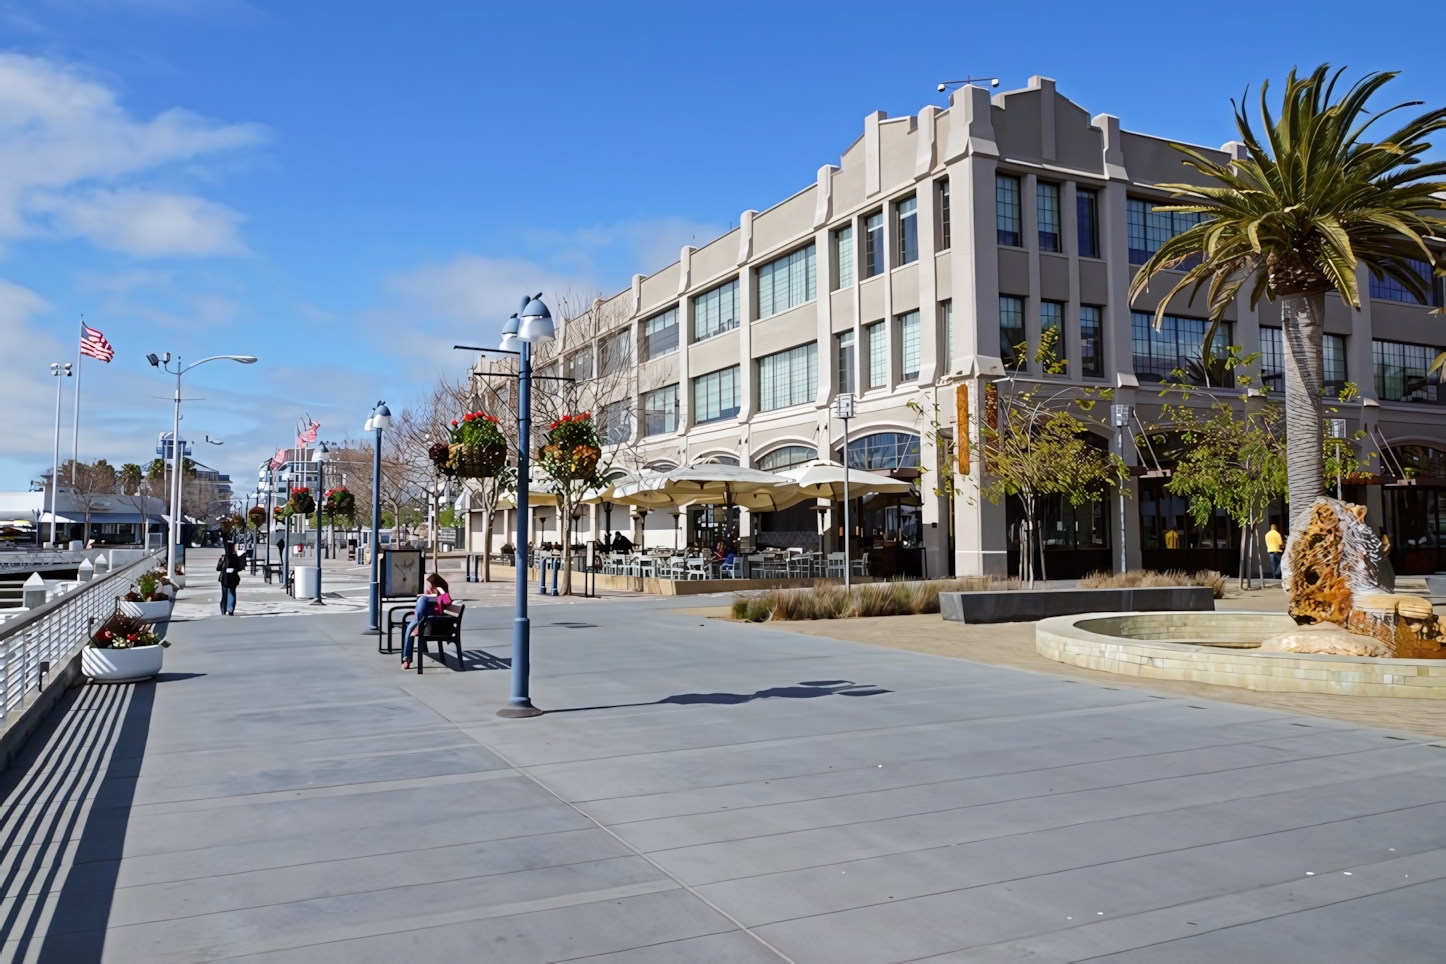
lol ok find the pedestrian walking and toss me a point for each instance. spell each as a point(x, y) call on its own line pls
point(1275, 547)
point(229, 566)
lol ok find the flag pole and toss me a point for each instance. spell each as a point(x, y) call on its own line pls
point(75, 429)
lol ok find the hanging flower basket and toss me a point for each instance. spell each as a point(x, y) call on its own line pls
point(256, 517)
point(478, 449)
point(302, 502)
point(340, 502)
point(440, 455)
point(573, 448)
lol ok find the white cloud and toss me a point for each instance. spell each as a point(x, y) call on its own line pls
point(148, 224)
point(70, 156)
point(473, 288)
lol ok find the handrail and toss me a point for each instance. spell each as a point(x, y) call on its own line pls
point(32, 643)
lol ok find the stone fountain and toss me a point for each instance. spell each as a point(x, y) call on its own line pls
point(1345, 631)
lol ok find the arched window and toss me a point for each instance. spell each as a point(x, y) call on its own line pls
point(720, 459)
point(790, 456)
point(661, 466)
point(1419, 459)
point(884, 450)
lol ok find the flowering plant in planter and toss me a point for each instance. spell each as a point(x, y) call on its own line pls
point(573, 448)
point(124, 632)
point(478, 448)
point(302, 502)
point(148, 588)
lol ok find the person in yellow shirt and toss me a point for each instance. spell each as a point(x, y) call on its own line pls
point(1172, 539)
point(1275, 546)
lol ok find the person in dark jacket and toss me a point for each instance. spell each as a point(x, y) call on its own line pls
point(229, 566)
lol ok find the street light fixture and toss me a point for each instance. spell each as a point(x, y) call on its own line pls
point(321, 456)
point(532, 326)
point(56, 368)
point(165, 365)
point(381, 418)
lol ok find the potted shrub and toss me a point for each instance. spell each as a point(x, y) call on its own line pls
point(478, 449)
point(573, 448)
point(150, 602)
point(124, 649)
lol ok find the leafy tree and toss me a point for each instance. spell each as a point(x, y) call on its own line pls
point(1295, 217)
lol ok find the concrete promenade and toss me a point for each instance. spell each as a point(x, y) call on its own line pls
point(700, 792)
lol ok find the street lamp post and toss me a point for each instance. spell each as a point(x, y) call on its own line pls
point(844, 409)
point(56, 368)
point(381, 418)
point(175, 530)
point(321, 456)
point(520, 334)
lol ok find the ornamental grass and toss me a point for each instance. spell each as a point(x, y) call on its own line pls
point(1145, 578)
point(832, 601)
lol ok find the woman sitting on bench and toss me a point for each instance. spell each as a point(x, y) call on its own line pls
point(433, 600)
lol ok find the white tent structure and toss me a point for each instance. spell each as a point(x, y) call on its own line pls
point(824, 479)
point(712, 483)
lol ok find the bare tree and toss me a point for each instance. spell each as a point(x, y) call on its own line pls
point(89, 485)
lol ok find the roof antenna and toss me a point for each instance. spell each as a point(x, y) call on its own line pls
point(993, 82)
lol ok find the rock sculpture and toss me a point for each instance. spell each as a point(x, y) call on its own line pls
point(1332, 573)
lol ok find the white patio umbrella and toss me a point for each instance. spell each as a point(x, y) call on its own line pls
point(712, 483)
point(824, 479)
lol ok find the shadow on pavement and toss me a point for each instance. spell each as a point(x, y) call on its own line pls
point(803, 691)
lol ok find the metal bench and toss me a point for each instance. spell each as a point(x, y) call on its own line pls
point(443, 628)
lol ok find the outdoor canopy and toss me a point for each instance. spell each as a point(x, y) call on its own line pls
point(824, 479)
point(712, 483)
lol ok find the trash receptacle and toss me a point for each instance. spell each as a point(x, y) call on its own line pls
point(306, 582)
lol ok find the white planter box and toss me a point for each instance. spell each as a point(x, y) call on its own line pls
point(158, 614)
point(121, 665)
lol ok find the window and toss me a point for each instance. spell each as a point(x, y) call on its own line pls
point(945, 230)
point(578, 365)
point(1091, 342)
point(616, 423)
point(1047, 205)
point(788, 457)
point(1087, 214)
point(786, 282)
point(1051, 334)
point(1148, 228)
point(1011, 331)
point(843, 245)
point(660, 335)
point(1401, 372)
point(907, 214)
point(1006, 210)
point(884, 450)
point(873, 245)
point(615, 352)
point(716, 311)
point(788, 378)
point(946, 319)
point(847, 362)
point(715, 395)
point(909, 346)
point(878, 354)
point(660, 411)
point(1272, 362)
point(1389, 289)
point(1177, 345)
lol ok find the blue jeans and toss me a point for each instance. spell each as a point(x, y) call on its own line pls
point(228, 600)
point(424, 606)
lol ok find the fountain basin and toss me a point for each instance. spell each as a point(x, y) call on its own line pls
point(1222, 648)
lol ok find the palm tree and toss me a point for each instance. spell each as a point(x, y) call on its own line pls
point(1295, 217)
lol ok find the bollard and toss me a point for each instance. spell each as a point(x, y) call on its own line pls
point(85, 571)
point(556, 567)
point(102, 565)
point(542, 574)
point(33, 592)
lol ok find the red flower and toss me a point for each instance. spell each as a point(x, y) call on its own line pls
point(454, 423)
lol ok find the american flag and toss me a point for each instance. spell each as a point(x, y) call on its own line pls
point(308, 435)
point(93, 343)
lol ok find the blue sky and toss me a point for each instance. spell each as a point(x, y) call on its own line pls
point(345, 190)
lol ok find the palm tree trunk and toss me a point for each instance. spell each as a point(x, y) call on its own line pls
point(1303, 319)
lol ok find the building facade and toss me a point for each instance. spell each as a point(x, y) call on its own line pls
point(921, 261)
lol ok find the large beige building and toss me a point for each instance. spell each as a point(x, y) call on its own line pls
point(937, 243)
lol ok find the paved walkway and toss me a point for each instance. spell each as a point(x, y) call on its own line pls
point(700, 792)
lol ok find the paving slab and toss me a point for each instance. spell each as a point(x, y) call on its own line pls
point(698, 791)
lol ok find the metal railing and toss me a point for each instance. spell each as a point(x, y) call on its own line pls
point(34, 643)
